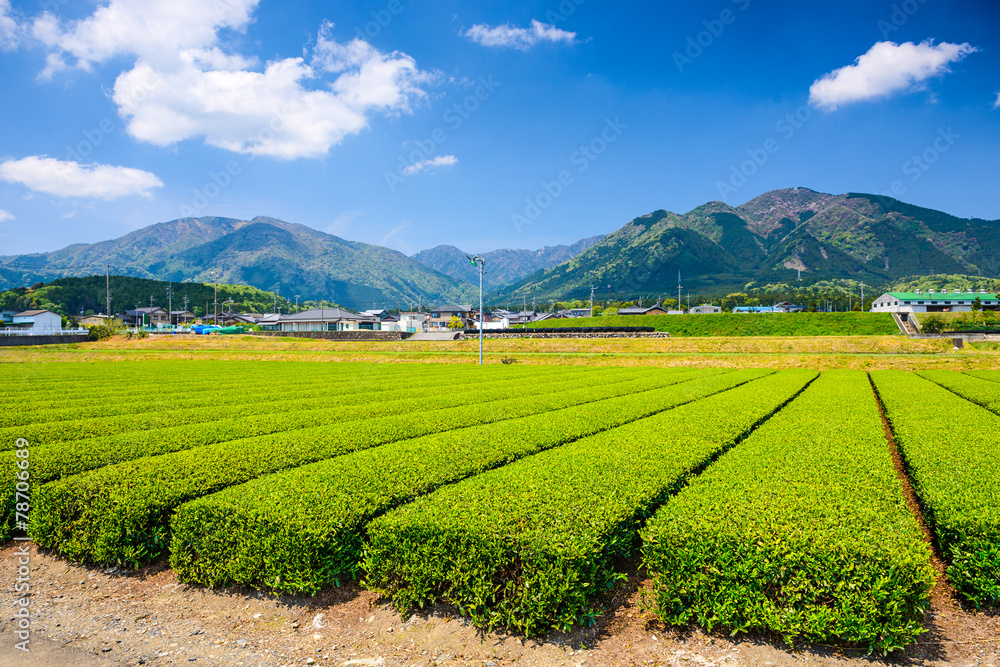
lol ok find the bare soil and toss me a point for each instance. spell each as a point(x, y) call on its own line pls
point(85, 615)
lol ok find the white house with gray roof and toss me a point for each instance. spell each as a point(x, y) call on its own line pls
point(933, 302)
point(326, 319)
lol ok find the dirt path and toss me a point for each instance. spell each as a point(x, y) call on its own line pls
point(90, 616)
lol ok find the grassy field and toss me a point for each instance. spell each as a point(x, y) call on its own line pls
point(517, 492)
point(730, 324)
point(817, 352)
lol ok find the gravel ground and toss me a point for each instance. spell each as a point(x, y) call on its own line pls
point(91, 616)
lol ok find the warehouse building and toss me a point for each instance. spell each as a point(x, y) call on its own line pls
point(933, 302)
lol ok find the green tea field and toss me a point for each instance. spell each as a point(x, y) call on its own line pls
point(799, 505)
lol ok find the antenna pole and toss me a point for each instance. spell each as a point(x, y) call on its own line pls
point(678, 289)
point(107, 286)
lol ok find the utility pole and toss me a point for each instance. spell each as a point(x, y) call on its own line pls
point(678, 289)
point(216, 302)
point(170, 303)
point(862, 297)
point(591, 300)
point(107, 287)
point(296, 303)
point(480, 263)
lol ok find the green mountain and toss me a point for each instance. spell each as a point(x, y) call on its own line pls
point(266, 253)
point(782, 236)
point(502, 266)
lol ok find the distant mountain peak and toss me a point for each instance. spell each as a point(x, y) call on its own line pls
point(263, 252)
point(503, 266)
point(773, 237)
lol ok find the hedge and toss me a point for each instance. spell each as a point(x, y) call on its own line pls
point(304, 528)
point(530, 545)
point(992, 376)
point(145, 412)
point(159, 411)
point(51, 462)
point(971, 388)
point(738, 324)
point(119, 514)
point(63, 384)
point(61, 379)
point(802, 531)
point(950, 447)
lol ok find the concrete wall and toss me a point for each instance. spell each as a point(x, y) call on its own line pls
point(8, 341)
point(963, 336)
point(362, 334)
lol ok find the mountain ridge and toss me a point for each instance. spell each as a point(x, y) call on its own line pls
point(775, 237)
point(263, 252)
point(504, 265)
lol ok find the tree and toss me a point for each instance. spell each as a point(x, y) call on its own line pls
point(932, 324)
point(455, 323)
point(977, 305)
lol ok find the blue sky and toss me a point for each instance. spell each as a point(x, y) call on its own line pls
point(482, 124)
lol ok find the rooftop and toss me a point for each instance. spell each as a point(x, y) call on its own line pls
point(952, 296)
point(321, 314)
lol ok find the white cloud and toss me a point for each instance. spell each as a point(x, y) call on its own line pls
point(5, 215)
point(11, 31)
point(154, 30)
point(392, 232)
point(185, 84)
point(888, 68)
point(996, 104)
point(507, 36)
point(71, 179)
point(342, 222)
point(439, 161)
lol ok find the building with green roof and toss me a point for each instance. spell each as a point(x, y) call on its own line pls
point(933, 302)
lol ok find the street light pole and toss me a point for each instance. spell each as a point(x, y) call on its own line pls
point(480, 263)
